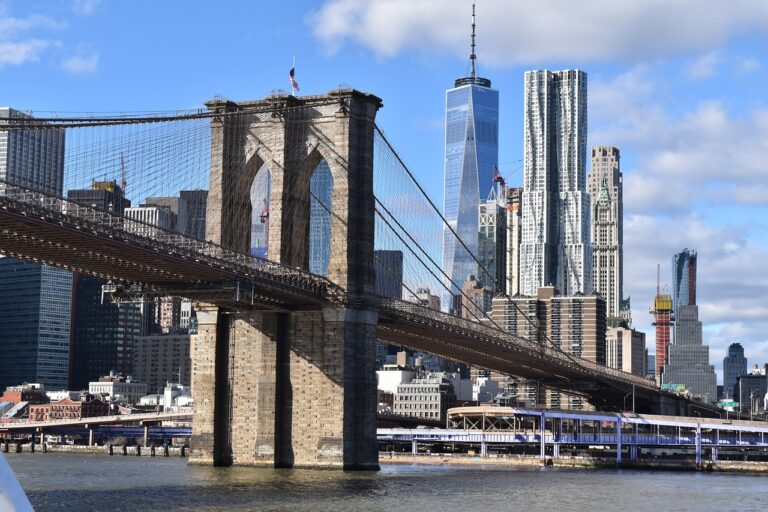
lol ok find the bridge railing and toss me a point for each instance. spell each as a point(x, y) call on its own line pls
point(429, 316)
point(162, 240)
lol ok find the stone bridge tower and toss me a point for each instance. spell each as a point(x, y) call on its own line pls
point(291, 388)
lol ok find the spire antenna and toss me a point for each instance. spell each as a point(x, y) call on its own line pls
point(472, 56)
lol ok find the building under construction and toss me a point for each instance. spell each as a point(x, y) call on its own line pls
point(662, 320)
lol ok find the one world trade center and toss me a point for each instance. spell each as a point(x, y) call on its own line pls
point(471, 153)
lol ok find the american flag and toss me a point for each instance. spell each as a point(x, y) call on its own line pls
point(294, 83)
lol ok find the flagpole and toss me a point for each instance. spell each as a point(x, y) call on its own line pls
point(293, 89)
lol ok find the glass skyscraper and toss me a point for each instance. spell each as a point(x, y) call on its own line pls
point(471, 152)
point(321, 186)
point(34, 299)
point(684, 278)
point(734, 366)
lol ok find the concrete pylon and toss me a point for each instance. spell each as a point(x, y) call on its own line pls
point(291, 388)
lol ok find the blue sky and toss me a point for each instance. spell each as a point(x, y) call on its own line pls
point(679, 86)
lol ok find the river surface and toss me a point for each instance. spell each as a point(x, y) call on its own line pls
point(83, 483)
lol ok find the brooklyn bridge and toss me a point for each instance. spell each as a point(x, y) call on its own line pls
point(283, 364)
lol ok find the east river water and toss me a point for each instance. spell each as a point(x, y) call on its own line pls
point(82, 483)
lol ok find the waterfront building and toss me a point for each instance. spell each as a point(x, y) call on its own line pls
point(162, 358)
point(320, 208)
point(734, 365)
point(392, 375)
point(34, 299)
point(688, 358)
point(606, 195)
point(514, 237)
point(429, 397)
point(118, 388)
point(471, 153)
point(492, 243)
point(749, 391)
point(555, 248)
point(32, 393)
point(625, 350)
point(88, 406)
point(388, 268)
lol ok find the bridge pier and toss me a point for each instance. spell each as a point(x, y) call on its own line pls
point(295, 386)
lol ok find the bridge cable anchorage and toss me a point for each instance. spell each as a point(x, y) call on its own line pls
point(500, 289)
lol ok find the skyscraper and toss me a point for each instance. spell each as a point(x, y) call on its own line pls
point(492, 243)
point(388, 267)
point(734, 366)
point(555, 248)
point(687, 356)
point(34, 299)
point(197, 201)
point(102, 332)
point(320, 208)
point(607, 231)
point(684, 278)
point(471, 152)
point(514, 234)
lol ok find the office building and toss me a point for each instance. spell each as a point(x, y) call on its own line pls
point(555, 249)
point(150, 221)
point(750, 390)
point(428, 397)
point(688, 358)
point(476, 300)
point(650, 365)
point(162, 358)
point(106, 196)
point(471, 152)
point(734, 365)
point(514, 237)
point(102, 333)
point(118, 388)
point(320, 208)
point(177, 205)
point(34, 299)
point(197, 203)
point(426, 298)
point(607, 231)
point(388, 268)
point(625, 350)
point(492, 243)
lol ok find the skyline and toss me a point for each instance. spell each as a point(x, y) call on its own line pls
point(688, 108)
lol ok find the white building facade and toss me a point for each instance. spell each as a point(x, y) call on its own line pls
point(555, 248)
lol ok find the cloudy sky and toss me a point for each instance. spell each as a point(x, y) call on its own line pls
point(679, 85)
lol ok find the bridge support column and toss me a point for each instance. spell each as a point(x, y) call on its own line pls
point(556, 451)
point(633, 452)
point(90, 436)
point(542, 447)
point(146, 435)
point(618, 440)
point(714, 454)
point(698, 446)
point(414, 447)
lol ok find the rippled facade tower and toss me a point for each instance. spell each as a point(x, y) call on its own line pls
point(471, 152)
point(555, 249)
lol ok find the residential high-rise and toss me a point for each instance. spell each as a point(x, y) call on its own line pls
point(320, 206)
point(179, 208)
point(688, 358)
point(607, 231)
point(575, 324)
point(684, 278)
point(426, 298)
point(148, 220)
point(34, 299)
point(160, 359)
point(555, 248)
point(476, 300)
point(492, 243)
point(471, 152)
point(734, 365)
point(514, 236)
point(625, 350)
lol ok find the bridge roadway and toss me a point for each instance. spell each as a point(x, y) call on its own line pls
point(121, 419)
point(146, 260)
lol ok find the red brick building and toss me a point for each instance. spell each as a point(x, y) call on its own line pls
point(66, 409)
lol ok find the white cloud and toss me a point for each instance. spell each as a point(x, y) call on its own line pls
point(85, 7)
point(80, 65)
point(521, 32)
point(14, 53)
point(704, 66)
point(748, 65)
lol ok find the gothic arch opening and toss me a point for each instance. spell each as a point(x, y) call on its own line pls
point(260, 191)
point(320, 208)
